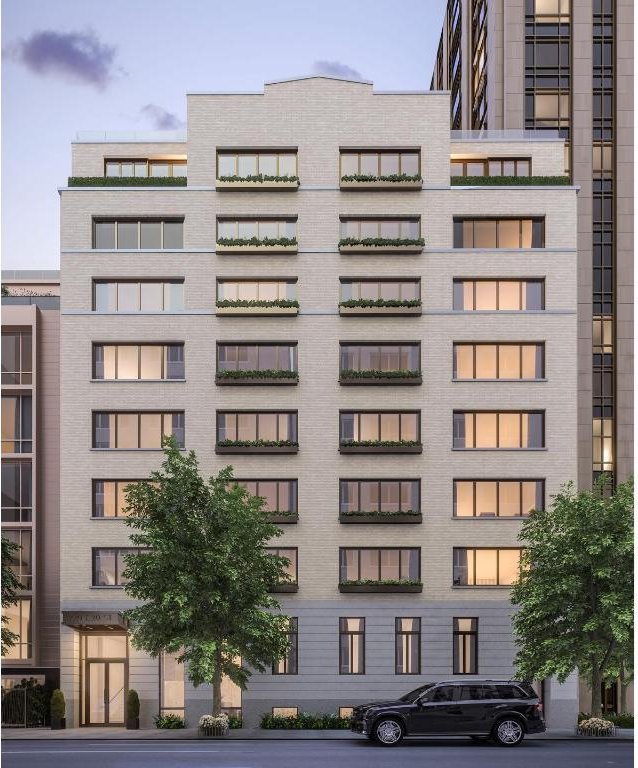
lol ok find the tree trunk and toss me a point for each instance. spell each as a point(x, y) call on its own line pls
point(596, 685)
point(623, 690)
point(217, 683)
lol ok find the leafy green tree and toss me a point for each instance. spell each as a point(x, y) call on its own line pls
point(10, 586)
point(203, 573)
point(576, 588)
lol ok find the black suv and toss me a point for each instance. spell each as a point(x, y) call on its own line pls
point(502, 710)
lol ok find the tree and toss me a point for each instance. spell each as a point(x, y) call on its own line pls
point(576, 587)
point(203, 573)
point(10, 586)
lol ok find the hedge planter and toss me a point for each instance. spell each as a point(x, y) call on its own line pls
point(380, 184)
point(352, 447)
point(510, 181)
point(348, 381)
point(363, 248)
point(58, 723)
point(388, 311)
point(259, 249)
point(381, 588)
point(213, 726)
point(127, 181)
point(596, 727)
point(253, 185)
point(272, 310)
point(132, 710)
point(280, 519)
point(223, 381)
point(256, 449)
point(58, 710)
point(284, 588)
point(380, 519)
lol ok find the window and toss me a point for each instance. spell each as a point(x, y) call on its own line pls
point(18, 621)
point(244, 426)
point(290, 553)
point(285, 711)
point(16, 357)
point(499, 233)
point(499, 361)
point(498, 498)
point(381, 290)
point(138, 296)
point(280, 496)
point(500, 295)
point(407, 646)
point(385, 163)
point(171, 685)
point(256, 357)
point(109, 497)
point(256, 290)
point(379, 564)
point(380, 426)
point(261, 229)
point(479, 64)
point(486, 567)
point(382, 496)
point(387, 229)
point(17, 502)
point(497, 166)
point(465, 646)
point(352, 643)
point(109, 565)
point(138, 361)
point(247, 164)
point(16, 424)
point(21, 561)
point(380, 357)
point(132, 430)
point(345, 712)
point(289, 664)
point(603, 444)
point(138, 234)
point(547, 11)
point(499, 429)
point(143, 168)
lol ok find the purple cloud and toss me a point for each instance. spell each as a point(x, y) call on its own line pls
point(161, 118)
point(336, 69)
point(78, 56)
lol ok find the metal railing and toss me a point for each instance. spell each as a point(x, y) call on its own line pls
point(510, 134)
point(25, 708)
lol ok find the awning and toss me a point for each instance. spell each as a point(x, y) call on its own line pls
point(92, 620)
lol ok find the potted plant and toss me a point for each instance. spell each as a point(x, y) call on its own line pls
point(132, 710)
point(58, 711)
point(213, 726)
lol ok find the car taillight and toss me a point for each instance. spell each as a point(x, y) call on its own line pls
point(538, 708)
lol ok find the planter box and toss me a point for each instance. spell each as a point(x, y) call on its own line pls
point(259, 249)
point(216, 732)
point(284, 588)
point(399, 380)
point(381, 519)
point(380, 185)
point(380, 449)
point(283, 519)
point(245, 380)
point(58, 723)
point(252, 186)
point(132, 723)
point(384, 588)
point(388, 311)
point(381, 249)
point(254, 449)
point(257, 311)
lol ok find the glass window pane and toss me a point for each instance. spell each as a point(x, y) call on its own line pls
point(369, 564)
point(389, 164)
point(485, 563)
point(475, 169)
point(127, 235)
point(369, 427)
point(509, 361)
point(112, 169)
point(509, 295)
point(485, 430)
point(151, 430)
point(349, 164)
point(128, 297)
point(370, 164)
point(531, 496)
point(485, 361)
point(390, 229)
point(508, 562)
point(158, 169)
point(288, 165)
point(509, 430)
point(509, 233)
point(484, 234)
point(268, 165)
point(509, 504)
point(464, 498)
point(485, 295)
point(127, 424)
point(268, 229)
point(369, 229)
point(105, 235)
point(486, 498)
point(410, 163)
point(152, 295)
point(526, 234)
point(173, 297)
point(174, 234)
point(267, 425)
point(391, 426)
point(151, 357)
point(246, 229)
point(226, 229)
point(127, 361)
point(225, 165)
point(409, 426)
point(247, 165)
point(532, 355)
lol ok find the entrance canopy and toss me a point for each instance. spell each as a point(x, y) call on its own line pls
point(92, 620)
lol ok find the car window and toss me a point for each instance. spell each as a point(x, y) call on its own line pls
point(509, 692)
point(490, 692)
point(445, 693)
point(472, 693)
point(412, 696)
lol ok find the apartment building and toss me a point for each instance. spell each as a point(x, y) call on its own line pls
point(30, 470)
point(388, 359)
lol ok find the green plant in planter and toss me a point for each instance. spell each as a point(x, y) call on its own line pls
point(259, 178)
point(271, 373)
point(385, 582)
point(169, 722)
point(380, 303)
point(258, 443)
point(381, 241)
point(58, 710)
point(394, 177)
point(283, 303)
point(380, 443)
point(132, 710)
point(377, 374)
point(257, 242)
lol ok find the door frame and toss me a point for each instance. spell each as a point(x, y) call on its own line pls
point(107, 674)
point(84, 678)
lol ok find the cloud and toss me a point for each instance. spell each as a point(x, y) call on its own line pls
point(161, 118)
point(78, 56)
point(336, 69)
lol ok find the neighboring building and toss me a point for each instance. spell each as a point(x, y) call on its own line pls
point(31, 470)
point(401, 505)
point(567, 67)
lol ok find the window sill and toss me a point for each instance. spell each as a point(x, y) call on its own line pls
point(257, 249)
point(136, 381)
point(520, 450)
point(380, 185)
point(396, 517)
point(498, 381)
point(273, 311)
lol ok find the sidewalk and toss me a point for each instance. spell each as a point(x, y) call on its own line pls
point(153, 734)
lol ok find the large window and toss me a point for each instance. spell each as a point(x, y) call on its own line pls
point(486, 567)
point(380, 564)
point(261, 229)
point(21, 561)
point(138, 296)
point(280, 496)
point(407, 646)
point(132, 430)
point(384, 358)
point(465, 646)
point(256, 357)
point(290, 569)
point(499, 429)
point(252, 426)
point(256, 290)
point(352, 646)
point(18, 621)
point(247, 164)
point(603, 444)
point(128, 167)
point(499, 361)
point(387, 229)
point(380, 426)
point(138, 234)
point(17, 500)
point(16, 424)
point(499, 233)
point(385, 163)
point(381, 290)
point(109, 566)
point(508, 295)
point(138, 361)
point(16, 357)
point(382, 496)
point(289, 664)
point(171, 685)
point(109, 497)
point(497, 498)
point(493, 166)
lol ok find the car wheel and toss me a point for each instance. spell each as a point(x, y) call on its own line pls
point(388, 732)
point(508, 732)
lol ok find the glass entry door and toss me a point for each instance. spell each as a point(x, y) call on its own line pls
point(105, 695)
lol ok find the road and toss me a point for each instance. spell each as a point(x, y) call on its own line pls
point(313, 754)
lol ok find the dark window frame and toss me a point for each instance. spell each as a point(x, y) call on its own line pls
point(496, 549)
point(139, 283)
point(289, 667)
point(276, 551)
point(292, 494)
point(399, 549)
point(139, 414)
point(266, 411)
point(498, 345)
point(351, 634)
point(522, 281)
point(539, 490)
point(399, 633)
point(379, 413)
point(117, 482)
point(139, 221)
point(119, 552)
point(457, 636)
point(498, 413)
point(359, 480)
point(537, 231)
point(239, 344)
point(165, 346)
point(381, 344)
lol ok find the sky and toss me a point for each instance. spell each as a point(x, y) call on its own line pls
point(72, 65)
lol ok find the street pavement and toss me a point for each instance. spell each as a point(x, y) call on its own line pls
point(355, 753)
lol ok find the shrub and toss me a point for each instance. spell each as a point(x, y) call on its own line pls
point(374, 582)
point(381, 241)
point(406, 374)
point(390, 515)
point(380, 443)
point(266, 374)
point(380, 303)
point(169, 722)
point(127, 181)
point(284, 303)
point(623, 720)
point(234, 721)
point(214, 721)
point(265, 242)
point(305, 720)
point(132, 704)
point(390, 177)
point(257, 443)
point(58, 704)
point(510, 181)
point(596, 726)
point(259, 178)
